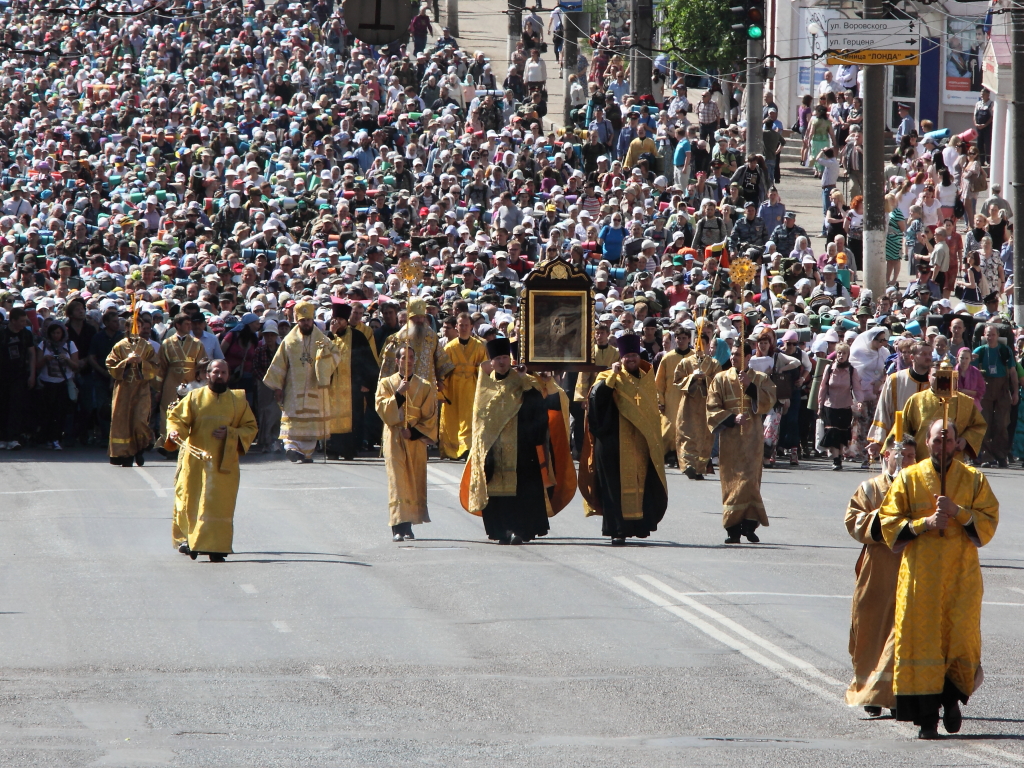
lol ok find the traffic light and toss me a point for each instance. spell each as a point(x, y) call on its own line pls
point(748, 16)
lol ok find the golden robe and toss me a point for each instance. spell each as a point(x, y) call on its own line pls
point(432, 361)
point(740, 449)
point(923, 408)
point(895, 392)
point(872, 640)
point(132, 403)
point(176, 364)
point(668, 395)
point(367, 331)
point(604, 356)
point(693, 438)
point(459, 391)
point(938, 595)
point(406, 460)
point(205, 492)
point(302, 367)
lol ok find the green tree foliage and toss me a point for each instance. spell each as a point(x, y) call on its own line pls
point(702, 30)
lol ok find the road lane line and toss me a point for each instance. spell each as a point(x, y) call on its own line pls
point(804, 666)
point(811, 596)
point(726, 639)
point(249, 589)
point(281, 626)
point(1001, 753)
point(152, 482)
point(444, 481)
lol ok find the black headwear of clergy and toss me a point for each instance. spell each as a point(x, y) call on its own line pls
point(629, 343)
point(498, 346)
point(344, 311)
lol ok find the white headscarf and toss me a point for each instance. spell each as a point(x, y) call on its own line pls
point(868, 362)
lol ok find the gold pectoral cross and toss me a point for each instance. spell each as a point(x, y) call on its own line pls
point(636, 398)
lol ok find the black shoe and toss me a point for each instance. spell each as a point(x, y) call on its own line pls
point(618, 541)
point(873, 711)
point(162, 451)
point(140, 459)
point(333, 457)
point(750, 526)
point(734, 534)
point(691, 473)
point(504, 542)
point(410, 536)
point(951, 717)
point(351, 457)
point(127, 461)
point(115, 461)
point(929, 733)
point(183, 548)
point(294, 457)
point(516, 539)
point(397, 538)
point(710, 469)
point(306, 460)
point(837, 464)
point(193, 555)
point(988, 464)
point(1003, 464)
point(215, 558)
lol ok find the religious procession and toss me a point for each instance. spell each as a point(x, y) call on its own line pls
point(386, 256)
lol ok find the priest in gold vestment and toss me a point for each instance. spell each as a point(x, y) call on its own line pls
point(132, 364)
point(216, 422)
point(432, 362)
point(938, 594)
point(923, 408)
point(625, 452)
point(738, 400)
point(467, 354)
point(691, 379)
point(668, 394)
point(872, 638)
point(300, 376)
point(180, 356)
point(407, 404)
point(605, 355)
point(520, 470)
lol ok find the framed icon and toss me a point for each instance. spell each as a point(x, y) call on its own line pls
point(557, 319)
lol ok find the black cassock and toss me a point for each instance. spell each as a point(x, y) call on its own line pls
point(603, 420)
point(525, 513)
point(364, 374)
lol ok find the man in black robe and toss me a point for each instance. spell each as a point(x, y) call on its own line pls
point(632, 504)
point(354, 376)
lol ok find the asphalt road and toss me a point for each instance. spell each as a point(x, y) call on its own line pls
point(321, 642)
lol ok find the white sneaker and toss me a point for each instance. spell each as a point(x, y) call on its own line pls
point(14, 445)
point(56, 446)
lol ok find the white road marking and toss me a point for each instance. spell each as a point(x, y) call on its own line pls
point(152, 482)
point(1018, 590)
point(281, 626)
point(1002, 753)
point(249, 589)
point(726, 639)
point(319, 672)
point(804, 666)
point(444, 481)
point(810, 596)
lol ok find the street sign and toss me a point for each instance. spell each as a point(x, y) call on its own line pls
point(378, 22)
point(874, 41)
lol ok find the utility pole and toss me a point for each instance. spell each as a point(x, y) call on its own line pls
point(755, 95)
point(873, 166)
point(1017, 52)
point(641, 32)
point(570, 56)
point(515, 28)
point(452, 17)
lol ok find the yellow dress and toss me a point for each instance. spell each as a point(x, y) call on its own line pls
point(132, 404)
point(938, 595)
point(740, 448)
point(459, 391)
point(693, 438)
point(406, 460)
point(872, 641)
point(205, 492)
point(668, 395)
point(924, 407)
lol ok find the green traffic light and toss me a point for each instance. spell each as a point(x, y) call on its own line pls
point(755, 32)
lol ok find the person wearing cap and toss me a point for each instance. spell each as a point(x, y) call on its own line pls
point(896, 390)
point(784, 236)
point(132, 364)
point(354, 373)
point(181, 356)
point(218, 427)
point(625, 433)
point(300, 377)
point(749, 230)
point(906, 126)
point(923, 408)
point(517, 419)
point(738, 400)
point(407, 405)
point(467, 354)
point(691, 380)
point(431, 360)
